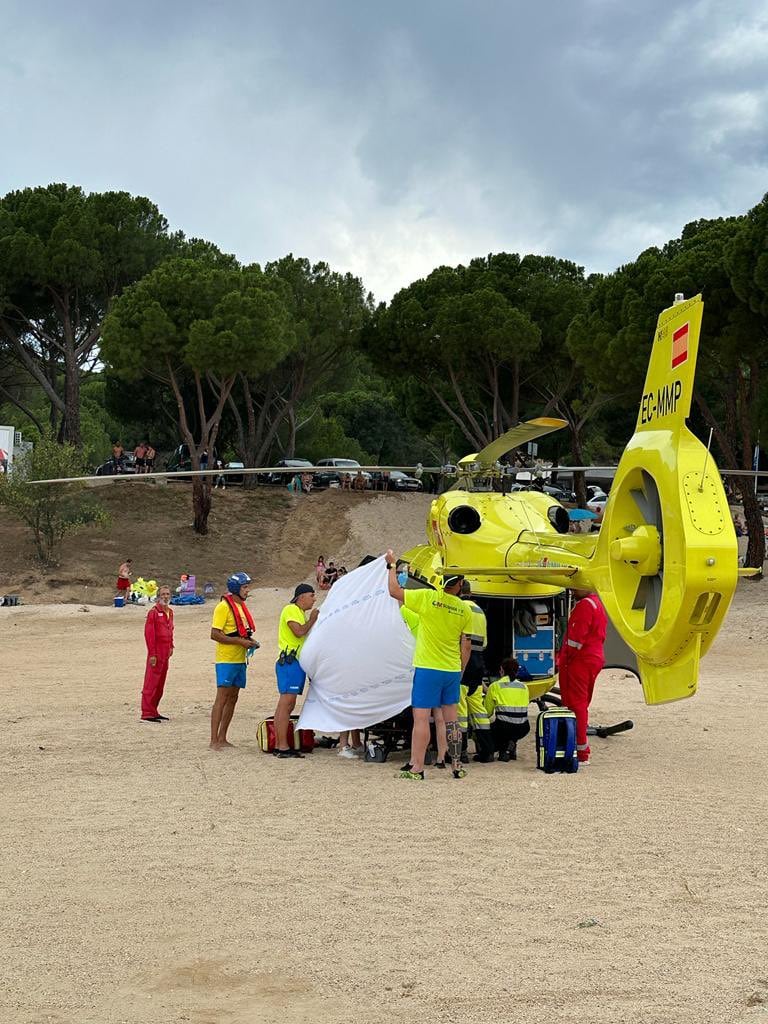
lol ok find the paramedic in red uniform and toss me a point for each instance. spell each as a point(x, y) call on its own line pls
point(581, 658)
point(158, 633)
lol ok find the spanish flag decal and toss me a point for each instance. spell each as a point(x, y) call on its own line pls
point(680, 346)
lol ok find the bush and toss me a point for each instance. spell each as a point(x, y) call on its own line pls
point(50, 510)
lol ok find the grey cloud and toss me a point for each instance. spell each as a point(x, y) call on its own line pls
point(390, 138)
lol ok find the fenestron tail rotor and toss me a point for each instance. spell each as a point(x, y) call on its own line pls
point(666, 562)
point(649, 588)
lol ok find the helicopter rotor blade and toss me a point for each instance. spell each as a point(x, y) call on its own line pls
point(653, 600)
point(517, 436)
point(641, 595)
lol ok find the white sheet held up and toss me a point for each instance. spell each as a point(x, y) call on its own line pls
point(358, 655)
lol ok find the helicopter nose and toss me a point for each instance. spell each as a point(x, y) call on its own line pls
point(464, 519)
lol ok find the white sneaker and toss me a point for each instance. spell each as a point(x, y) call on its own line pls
point(585, 764)
point(347, 752)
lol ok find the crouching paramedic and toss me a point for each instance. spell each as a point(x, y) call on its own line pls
point(581, 658)
point(232, 628)
point(296, 620)
point(158, 635)
point(471, 710)
point(507, 700)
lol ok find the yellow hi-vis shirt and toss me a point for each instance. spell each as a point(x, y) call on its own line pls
point(443, 619)
point(411, 619)
point(224, 619)
point(286, 638)
point(508, 699)
point(479, 632)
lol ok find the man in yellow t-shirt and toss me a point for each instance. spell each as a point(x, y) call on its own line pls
point(443, 647)
point(296, 620)
point(232, 629)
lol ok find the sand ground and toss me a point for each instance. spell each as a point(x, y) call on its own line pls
point(147, 880)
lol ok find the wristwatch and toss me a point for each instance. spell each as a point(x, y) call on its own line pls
point(390, 565)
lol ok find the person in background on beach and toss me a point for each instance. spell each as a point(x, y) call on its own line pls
point(124, 578)
point(232, 629)
point(320, 569)
point(117, 457)
point(140, 457)
point(149, 458)
point(296, 620)
point(158, 635)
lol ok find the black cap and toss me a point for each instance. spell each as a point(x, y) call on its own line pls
point(303, 588)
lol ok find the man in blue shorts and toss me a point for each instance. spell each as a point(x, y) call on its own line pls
point(296, 620)
point(443, 646)
point(232, 628)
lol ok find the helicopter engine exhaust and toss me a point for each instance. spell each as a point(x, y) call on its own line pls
point(464, 519)
point(559, 518)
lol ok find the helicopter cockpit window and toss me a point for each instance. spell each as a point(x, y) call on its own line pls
point(559, 518)
point(465, 519)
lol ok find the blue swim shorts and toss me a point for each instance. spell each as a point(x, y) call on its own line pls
point(230, 674)
point(433, 688)
point(290, 678)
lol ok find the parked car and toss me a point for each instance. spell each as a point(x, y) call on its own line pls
point(398, 481)
point(127, 464)
point(597, 505)
point(179, 461)
point(283, 478)
point(336, 470)
point(234, 478)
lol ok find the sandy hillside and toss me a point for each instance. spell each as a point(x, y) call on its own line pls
point(147, 880)
point(272, 534)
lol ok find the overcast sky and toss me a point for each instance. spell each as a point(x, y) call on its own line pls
point(390, 137)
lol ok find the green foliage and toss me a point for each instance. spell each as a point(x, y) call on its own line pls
point(472, 337)
point(64, 256)
point(190, 315)
point(51, 511)
point(324, 437)
point(375, 420)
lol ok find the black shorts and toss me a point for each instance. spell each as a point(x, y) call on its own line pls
point(474, 672)
point(141, 462)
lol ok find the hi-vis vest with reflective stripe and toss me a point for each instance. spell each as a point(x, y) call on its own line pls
point(509, 699)
point(479, 634)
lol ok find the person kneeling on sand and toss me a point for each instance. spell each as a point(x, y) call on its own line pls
point(158, 634)
point(295, 623)
point(232, 628)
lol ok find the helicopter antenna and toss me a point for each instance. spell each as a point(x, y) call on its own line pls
point(706, 460)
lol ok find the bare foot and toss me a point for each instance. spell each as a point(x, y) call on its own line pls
point(226, 743)
point(214, 746)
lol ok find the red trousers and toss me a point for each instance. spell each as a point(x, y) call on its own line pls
point(154, 684)
point(577, 684)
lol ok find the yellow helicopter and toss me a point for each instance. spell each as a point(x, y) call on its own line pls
point(665, 560)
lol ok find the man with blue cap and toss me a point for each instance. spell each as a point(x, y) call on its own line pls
point(232, 629)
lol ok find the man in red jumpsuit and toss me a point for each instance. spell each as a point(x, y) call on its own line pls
point(581, 658)
point(158, 633)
